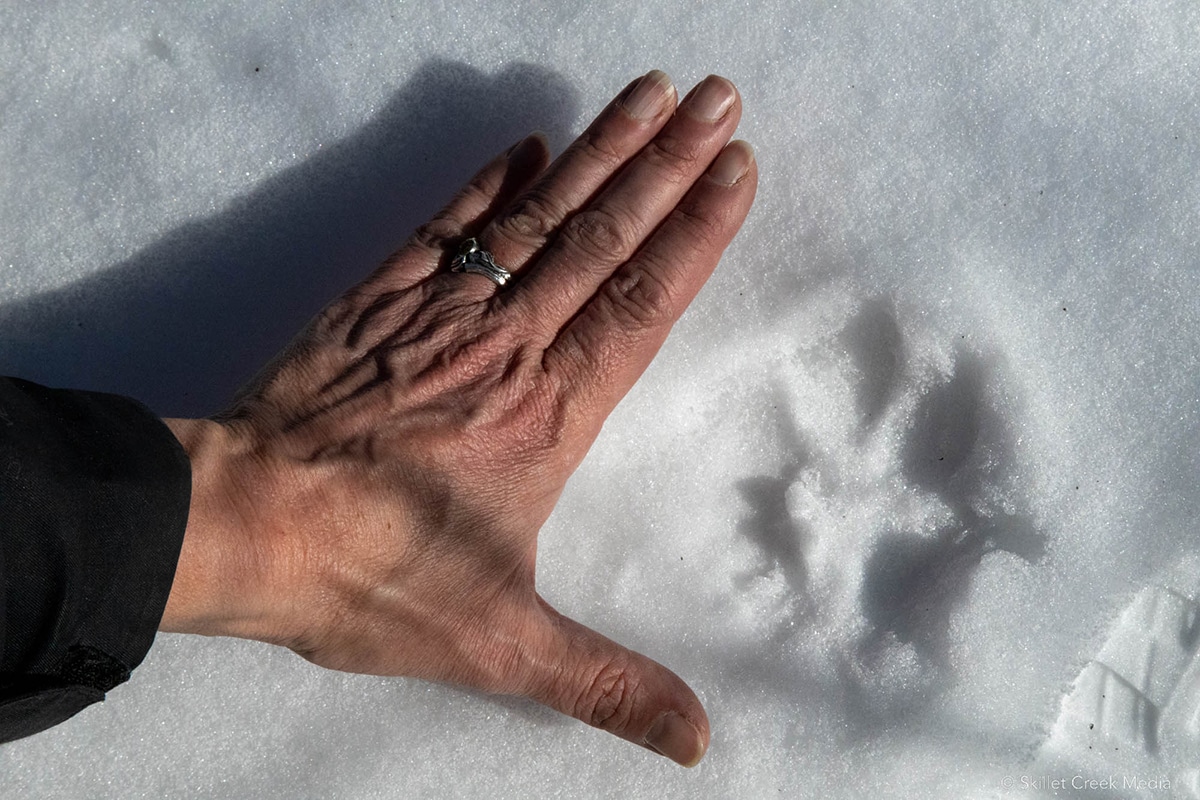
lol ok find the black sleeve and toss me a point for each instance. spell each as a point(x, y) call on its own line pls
point(94, 493)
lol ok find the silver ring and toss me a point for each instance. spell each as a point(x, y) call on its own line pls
point(473, 258)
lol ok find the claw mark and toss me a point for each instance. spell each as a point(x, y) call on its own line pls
point(875, 344)
point(772, 528)
point(915, 581)
point(782, 539)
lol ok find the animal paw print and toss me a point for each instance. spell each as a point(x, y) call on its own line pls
point(916, 481)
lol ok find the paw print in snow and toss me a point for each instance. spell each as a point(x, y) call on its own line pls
point(916, 480)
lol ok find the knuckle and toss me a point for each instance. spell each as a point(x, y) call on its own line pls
point(674, 154)
point(640, 297)
point(571, 356)
point(702, 226)
point(436, 233)
point(600, 149)
point(546, 429)
point(531, 220)
point(335, 320)
point(476, 194)
point(481, 357)
point(608, 700)
point(601, 235)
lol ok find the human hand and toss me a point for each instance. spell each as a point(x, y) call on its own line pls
point(373, 499)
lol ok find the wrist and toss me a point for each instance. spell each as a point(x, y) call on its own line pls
point(221, 574)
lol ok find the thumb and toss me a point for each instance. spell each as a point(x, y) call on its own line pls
point(596, 680)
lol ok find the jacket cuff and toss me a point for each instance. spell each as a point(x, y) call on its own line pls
point(94, 494)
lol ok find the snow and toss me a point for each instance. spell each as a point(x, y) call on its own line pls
point(913, 483)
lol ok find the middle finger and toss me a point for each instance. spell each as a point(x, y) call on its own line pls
point(600, 237)
point(616, 135)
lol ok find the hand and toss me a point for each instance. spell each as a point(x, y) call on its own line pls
point(373, 499)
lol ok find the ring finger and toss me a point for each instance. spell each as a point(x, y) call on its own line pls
point(622, 129)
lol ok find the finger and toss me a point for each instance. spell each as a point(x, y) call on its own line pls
point(616, 135)
point(594, 679)
point(604, 235)
point(494, 187)
point(606, 347)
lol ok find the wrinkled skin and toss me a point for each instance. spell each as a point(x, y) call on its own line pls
point(372, 500)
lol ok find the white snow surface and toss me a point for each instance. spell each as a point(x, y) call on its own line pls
point(910, 495)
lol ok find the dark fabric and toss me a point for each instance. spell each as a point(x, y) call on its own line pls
point(94, 493)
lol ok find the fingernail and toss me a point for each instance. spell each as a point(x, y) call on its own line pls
point(674, 737)
point(711, 98)
point(733, 163)
point(649, 95)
